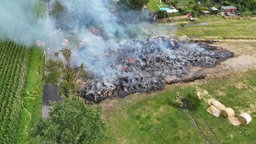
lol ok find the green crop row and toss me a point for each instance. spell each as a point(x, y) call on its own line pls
point(13, 68)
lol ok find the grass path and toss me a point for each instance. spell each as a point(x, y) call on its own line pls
point(32, 101)
point(32, 97)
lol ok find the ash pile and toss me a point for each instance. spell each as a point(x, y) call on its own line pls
point(144, 66)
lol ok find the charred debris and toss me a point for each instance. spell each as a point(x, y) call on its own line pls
point(147, 65)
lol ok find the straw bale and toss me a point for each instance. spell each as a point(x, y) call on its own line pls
point(234, 121)
point(214, 111)
point(227, 112)
point(216, 103)
point(210, 100)
point(202, 93)
point(244, 118)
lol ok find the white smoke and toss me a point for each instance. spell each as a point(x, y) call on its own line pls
point(20, 21)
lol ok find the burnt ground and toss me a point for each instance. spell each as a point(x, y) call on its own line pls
point(147, 65)
point(244, 59)
point(50, 94)
point(244, 56)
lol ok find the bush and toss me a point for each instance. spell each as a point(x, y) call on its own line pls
point(189, 102)
point(134, 4)
point(162, 14)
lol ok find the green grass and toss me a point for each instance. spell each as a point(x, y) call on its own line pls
point(220, 28)
point(32, 101)
point(154, 5)
point(154, 119)
point(184, 3)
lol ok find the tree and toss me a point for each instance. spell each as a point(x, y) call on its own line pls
point(64, 75)
point(70, 121)
point(68, 85)
point(67, 55)
point(134, 4)
point(54, 72)
point(161, 14)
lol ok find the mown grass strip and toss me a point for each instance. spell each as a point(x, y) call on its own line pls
point(32, 102)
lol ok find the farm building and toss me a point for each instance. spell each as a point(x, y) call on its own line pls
point(204, 12)
point(213, 9)
point(228, 9)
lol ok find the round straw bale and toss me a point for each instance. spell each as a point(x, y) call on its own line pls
point(227, 112)
point(218, 105)
point(214, 111)
point(244, 118)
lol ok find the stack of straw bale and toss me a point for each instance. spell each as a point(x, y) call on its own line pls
point(217, 109)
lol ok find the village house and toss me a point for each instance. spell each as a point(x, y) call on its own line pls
point(228, 10)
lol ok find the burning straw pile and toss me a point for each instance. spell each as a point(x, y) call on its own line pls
point(144, 65)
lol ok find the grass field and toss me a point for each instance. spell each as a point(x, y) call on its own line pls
point(154, 119)
point(154, 5)
point(219, 28)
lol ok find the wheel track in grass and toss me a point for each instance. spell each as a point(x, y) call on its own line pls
point(209, 128)
point(205, 125)
point(198, 127)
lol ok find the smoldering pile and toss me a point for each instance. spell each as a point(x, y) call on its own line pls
point(144, 65)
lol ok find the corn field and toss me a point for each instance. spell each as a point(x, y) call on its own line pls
point(14, 61)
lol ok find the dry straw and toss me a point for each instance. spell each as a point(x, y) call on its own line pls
point(214, 111)
point(216, 103)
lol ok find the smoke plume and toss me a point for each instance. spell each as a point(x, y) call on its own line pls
point(20, 21)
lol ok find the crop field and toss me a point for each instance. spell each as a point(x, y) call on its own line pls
point(17, 65)
point(21, 79)
point(14, 60)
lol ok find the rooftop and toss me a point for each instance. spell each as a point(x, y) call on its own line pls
point(213, 9)
point(228, 7)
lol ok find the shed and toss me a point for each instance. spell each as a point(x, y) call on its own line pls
point(213, 9)
point(226, 9)
point(205, 12)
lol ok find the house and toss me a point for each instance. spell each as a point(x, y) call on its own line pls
point(228, 9)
